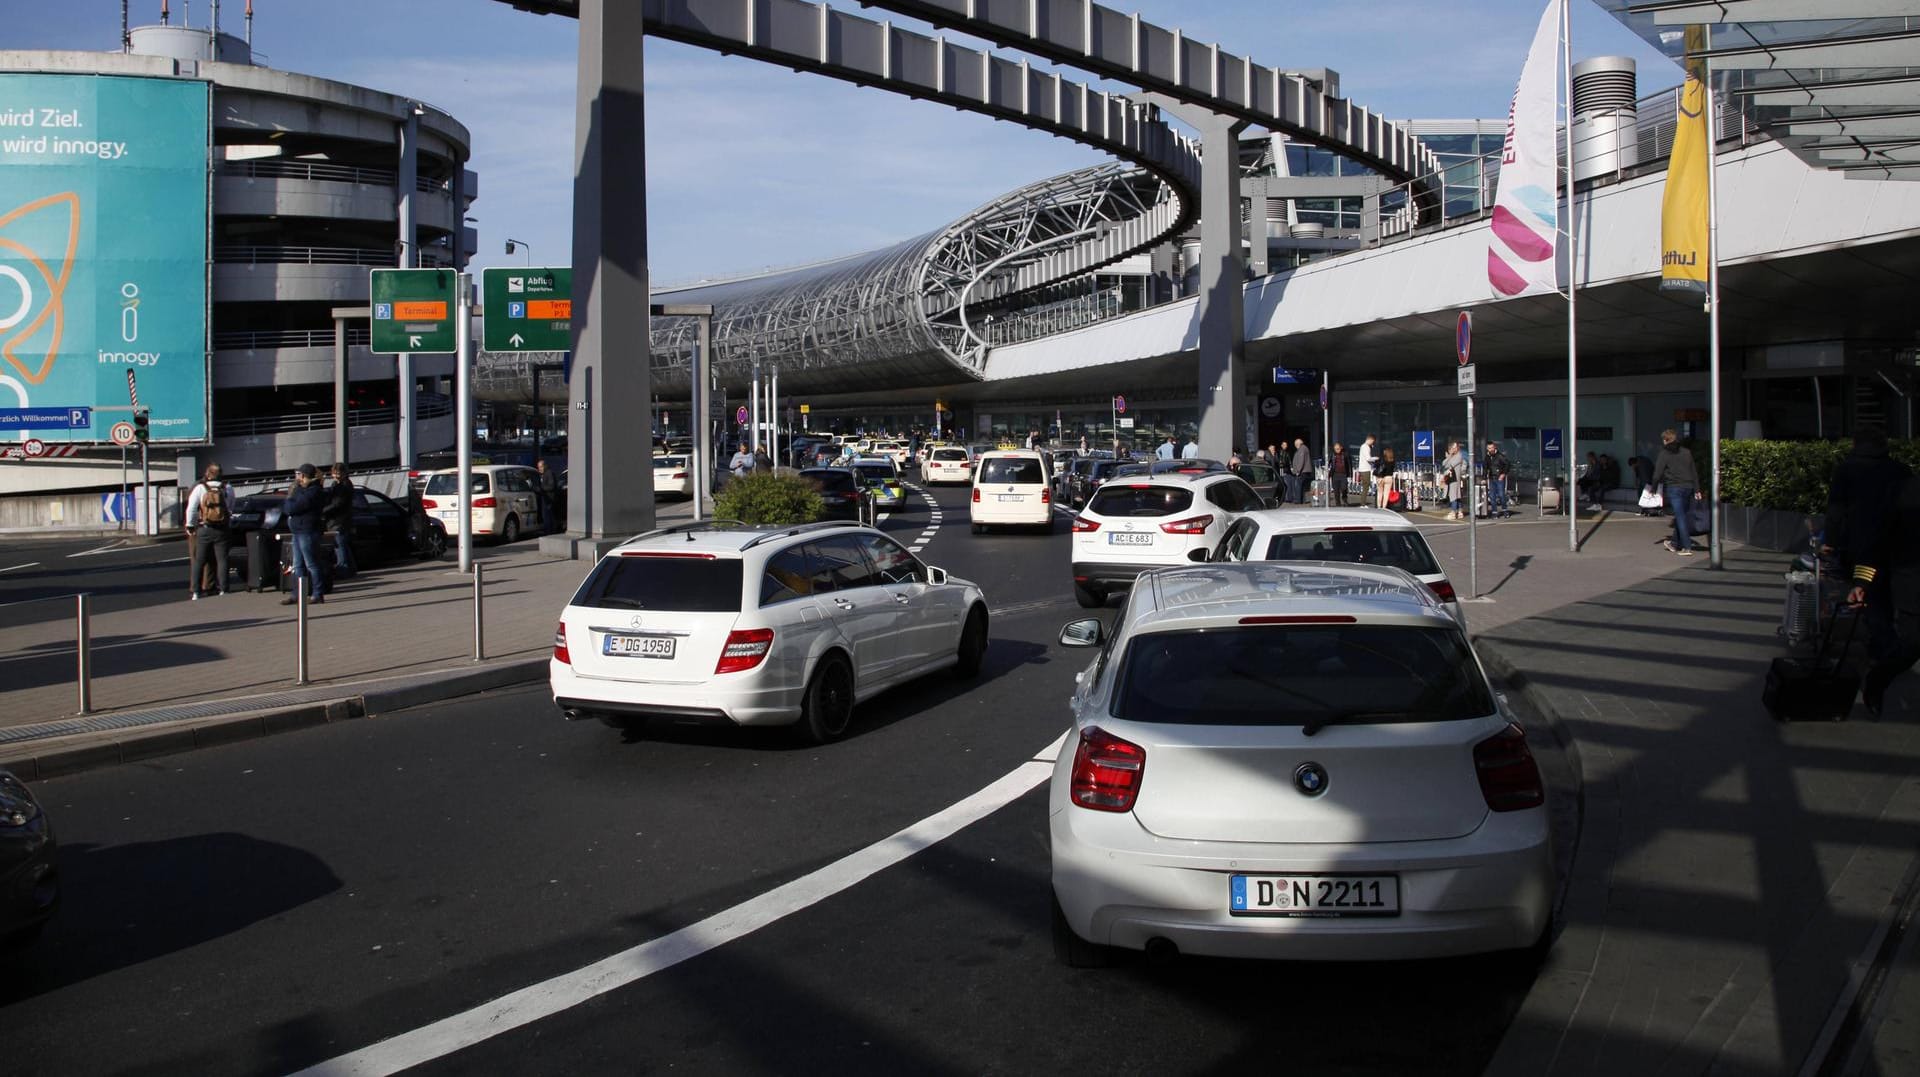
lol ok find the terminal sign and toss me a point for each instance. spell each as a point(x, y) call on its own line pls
point(412, 310)
point(528, 309)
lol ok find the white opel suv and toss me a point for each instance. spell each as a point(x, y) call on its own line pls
point(1293, 761)
point(758, 626)
point(1139, 522)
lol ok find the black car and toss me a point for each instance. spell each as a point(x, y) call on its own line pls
point(29, 878)
point(1185, 466)
point(383, 529)
point(839, 487)
point(1089, 475)
point(1265, 480)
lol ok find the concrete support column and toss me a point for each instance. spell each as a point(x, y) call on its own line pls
point(408, 242)
point(610, 386)
point(1223, 325)
point(340, 389)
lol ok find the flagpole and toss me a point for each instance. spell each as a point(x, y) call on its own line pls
point(1569, 496)
point(1713, 317)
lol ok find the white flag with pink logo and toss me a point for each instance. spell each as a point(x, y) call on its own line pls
point(1526, 198)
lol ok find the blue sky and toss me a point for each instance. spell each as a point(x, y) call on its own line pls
point(751, 166)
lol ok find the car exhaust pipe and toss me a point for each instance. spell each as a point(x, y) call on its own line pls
point(1162, 951)
point(575, 714)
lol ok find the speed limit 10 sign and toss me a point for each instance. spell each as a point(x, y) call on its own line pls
point(122, 433)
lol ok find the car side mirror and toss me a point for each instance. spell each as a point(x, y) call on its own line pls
point(1200, 555)
point(936, 576)
point(1082, 633)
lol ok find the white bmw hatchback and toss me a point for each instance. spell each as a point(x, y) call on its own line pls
point(758, 626)
point(1297, 762)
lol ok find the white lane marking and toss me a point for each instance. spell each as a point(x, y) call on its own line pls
point(117, 547)
point(915, 549)
point(29, 564)
point(563, 992)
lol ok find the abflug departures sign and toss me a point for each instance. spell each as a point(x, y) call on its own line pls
point(103, 255)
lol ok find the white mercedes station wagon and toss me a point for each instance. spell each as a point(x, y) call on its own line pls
point(726, 623)
point(1292, 761)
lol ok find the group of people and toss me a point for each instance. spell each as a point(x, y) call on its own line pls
point(309, 510)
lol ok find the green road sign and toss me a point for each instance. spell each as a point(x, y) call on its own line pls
point(528, 310)
point(413, 310)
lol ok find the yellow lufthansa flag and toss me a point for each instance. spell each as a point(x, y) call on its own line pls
point(1684, 252)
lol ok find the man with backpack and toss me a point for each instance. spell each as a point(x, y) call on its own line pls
point(338, 518)
point(209, 523)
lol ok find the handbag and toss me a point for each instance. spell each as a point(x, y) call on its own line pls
point(1699, 521)
point(1650, 498)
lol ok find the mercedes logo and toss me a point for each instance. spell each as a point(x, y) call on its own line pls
point(1310, 779)
point(635, 622)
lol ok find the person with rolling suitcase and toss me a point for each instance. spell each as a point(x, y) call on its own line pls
point(1894, 560)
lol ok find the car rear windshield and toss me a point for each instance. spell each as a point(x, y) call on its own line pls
point(449, 483)
point(1011, 469)
point(1296, 675)
point(829, 481)
point(1140, 499)
point(1395, 549)
point(949, 454)
point(669, 461)
point(680, 584)
point(874, 472)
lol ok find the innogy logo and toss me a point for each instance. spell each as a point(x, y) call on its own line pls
point(32, 293)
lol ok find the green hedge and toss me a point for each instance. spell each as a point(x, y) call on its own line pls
point(767, 498)
point(1789, 475)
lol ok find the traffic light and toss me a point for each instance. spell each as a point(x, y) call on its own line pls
point(140, 426)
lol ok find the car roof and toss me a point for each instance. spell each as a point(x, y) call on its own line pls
point(1175, 479)
point(1297, 519)
point(1031, 454)
point(726, 538)
point(483, 467)
point(1235, 590)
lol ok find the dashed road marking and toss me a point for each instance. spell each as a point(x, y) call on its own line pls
point(563, 992)
point(29, 564)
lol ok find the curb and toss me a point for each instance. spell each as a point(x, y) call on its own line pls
point(55, 756)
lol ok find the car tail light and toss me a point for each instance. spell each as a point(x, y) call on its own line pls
point(483, 503)
point(745, 649)
point(1106, 771)
point(560, 653)
point(1442, 590)
point(429, 503)
point(1046, 496)
point(1081, 525)
point(976, 495)
point(1192, 525)
point(1509, 780)
point(679, 474)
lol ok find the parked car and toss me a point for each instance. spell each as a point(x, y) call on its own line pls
point(1347, 536)
point(441, 460)
point(1150, 521)
point(383, 529)
point(1319, 746)
point(670, 477)
point(839, 488)
point(504, 505)
point(29, 870)
point(1012, 488)
point(881, 476)
point(759, 626)
point(1265, 480)
point(1088, 475)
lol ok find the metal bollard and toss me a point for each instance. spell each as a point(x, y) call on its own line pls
point(479, 622)
point(83, 645)
point(300, 629)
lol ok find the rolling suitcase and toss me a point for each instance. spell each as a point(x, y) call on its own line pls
point(1817, 689)
point(263, 562)
point(1800, 613)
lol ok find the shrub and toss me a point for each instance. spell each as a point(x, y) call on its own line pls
point(1790, 475)
point(765, 498)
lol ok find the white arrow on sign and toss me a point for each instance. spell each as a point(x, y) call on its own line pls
point(413, 342)
point(516, 340)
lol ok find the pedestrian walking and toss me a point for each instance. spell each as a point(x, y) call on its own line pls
point(1453, 475)
point(1363, 469)
point(1302, 470)
point(337, 515)
point(1166, 450)
point(546, 488)
point(209, 524)
point(1675, 473)
point(742, 461)
point(761, 461)
point(1384, 479)
point(1339, 466)
point(1499, 474)
point(301, 513)
point(1192, 451)
point(1859, 499)
point(1888, 572)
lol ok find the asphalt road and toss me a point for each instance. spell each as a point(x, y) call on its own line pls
point(272, 904)
point(121, 574)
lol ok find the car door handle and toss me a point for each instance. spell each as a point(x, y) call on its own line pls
point(843, 603)
point(902, 599)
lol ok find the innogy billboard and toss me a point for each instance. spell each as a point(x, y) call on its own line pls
point(103, 256)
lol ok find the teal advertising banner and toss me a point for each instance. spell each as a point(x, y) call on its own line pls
point(103, 256)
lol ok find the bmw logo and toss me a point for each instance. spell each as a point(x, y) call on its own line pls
point(1310, 779)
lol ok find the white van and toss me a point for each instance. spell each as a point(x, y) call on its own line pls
point(1012, 487)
